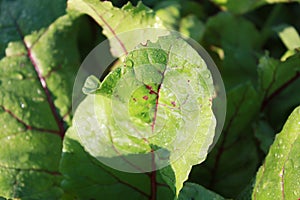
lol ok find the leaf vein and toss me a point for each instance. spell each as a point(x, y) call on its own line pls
point(42, 80)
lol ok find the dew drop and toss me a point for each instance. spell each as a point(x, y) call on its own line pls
point(22, 105)
point(8, 137)
point(37, 99)
point(129, 63)
point(207, 75)
point(18, 76)
point(162, 58)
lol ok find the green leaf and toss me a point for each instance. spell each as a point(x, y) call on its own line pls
point(236, 144)
point(162, 83)
point(194, 191)
point(87, 178)
point(278, 177)
point(274, 74)
point(30, 12)
point(279, 80)
point(239, 62)
point(169, 13)
point(289, 36)
point(35, 98)
point(278, 109)
point(182, 16)
point(192, 27)
point(115, 21)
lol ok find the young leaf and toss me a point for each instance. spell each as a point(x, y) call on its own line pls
point(46, 10)
point(115, 21)
point(289, 36)
point(36, 84)
point(278, 177)
point(162, 85)
point(192, 27)
point(230, 33)
point(169, 13)
point(274, 75)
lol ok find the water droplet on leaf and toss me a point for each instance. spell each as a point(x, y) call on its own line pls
point(91, 85)
point(207, 75)
point(162, 58)
point(129, 63)
point(23, 105)
point(18, 76)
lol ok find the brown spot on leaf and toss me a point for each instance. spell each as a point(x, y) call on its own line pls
point(145, 97)
point(149, 87)
point(173, 103)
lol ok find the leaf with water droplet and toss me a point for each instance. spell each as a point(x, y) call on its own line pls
point(278, 177)
point(140, 17)
point(91, 85)
point(35, 95)
point(135, 105)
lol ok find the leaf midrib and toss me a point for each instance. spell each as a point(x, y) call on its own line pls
point(42, 80)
